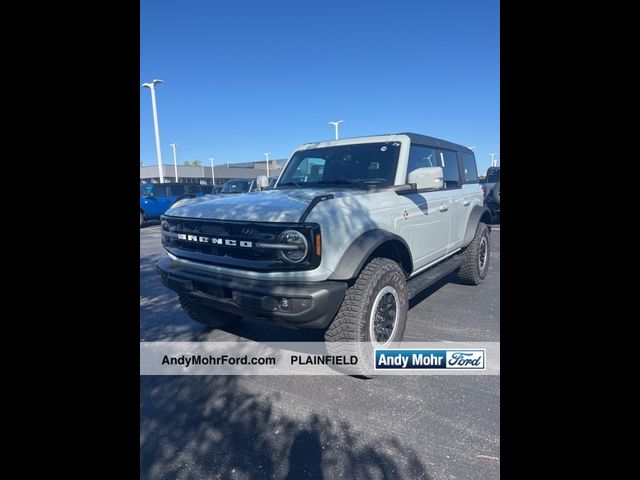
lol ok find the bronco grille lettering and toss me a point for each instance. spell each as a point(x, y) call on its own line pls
point(215, 240)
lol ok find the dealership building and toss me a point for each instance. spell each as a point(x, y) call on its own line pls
point(202, 174)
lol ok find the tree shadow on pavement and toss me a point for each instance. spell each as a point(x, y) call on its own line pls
point(197, 427)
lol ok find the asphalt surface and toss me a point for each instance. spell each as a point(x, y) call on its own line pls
point(292, 427)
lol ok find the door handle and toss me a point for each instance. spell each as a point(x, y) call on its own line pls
point(466, 202)
point(443, 208)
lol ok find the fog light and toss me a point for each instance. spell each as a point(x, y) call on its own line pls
point(283, 303)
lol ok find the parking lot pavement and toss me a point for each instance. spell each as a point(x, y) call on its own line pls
point(289, 427)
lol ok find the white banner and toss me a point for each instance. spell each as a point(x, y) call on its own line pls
point(318, 358)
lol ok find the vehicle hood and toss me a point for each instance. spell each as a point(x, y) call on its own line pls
point(268, 206)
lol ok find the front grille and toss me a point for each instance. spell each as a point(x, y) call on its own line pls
point(232, 243)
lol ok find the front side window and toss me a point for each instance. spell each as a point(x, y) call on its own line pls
point(161, 191)
point(365, 165)
point(421, 157)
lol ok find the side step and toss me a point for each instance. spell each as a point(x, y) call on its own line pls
point(430, 276)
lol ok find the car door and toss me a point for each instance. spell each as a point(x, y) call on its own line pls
point(164, 198)
point(152, 204)
point(427, 220)
point(457, 199)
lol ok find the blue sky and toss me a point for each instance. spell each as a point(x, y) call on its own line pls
point(244, 77)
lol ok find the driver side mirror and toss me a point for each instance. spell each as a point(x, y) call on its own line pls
point(149, 195)
point(427, 178)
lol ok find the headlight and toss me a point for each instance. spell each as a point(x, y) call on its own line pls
point(295, 239)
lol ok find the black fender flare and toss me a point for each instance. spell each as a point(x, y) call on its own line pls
point(478, 214)
point(353, 260)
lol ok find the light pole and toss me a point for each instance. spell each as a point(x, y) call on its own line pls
point(213, 175)
point(152, 86)
point(175, 162)
point(492, 160)
point(266, 154)
point(336, 125)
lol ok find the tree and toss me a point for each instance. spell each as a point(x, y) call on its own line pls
point(196, 163)
point(186, 163)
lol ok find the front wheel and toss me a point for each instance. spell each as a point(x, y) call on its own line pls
point(477, 254)
point(373, 314)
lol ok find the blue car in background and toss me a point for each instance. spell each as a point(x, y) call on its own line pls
point(157, 198)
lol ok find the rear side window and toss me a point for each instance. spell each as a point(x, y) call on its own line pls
point(470, 168)
point(449, 164)
point(193, 188)
point(177, 190)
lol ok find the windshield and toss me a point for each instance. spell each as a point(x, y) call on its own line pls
point(144, 190)
point(236, 186)
point(493, 176)
point(362, 165)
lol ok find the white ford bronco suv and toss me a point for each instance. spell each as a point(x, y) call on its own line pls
point(353, 229)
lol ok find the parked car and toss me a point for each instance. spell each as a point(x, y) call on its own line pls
point(354, 229)
point(157, 198)
point(491, 189)
point(238, 185)
point(211, 189)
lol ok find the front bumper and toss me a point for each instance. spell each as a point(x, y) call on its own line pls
point(310, 305)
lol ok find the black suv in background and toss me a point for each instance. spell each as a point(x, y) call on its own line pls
point(238, 185)
point(491, 189)
point(210, 189)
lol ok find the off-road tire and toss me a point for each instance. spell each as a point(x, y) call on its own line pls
point(207, 316)
point(351, 323)
point(471, 271)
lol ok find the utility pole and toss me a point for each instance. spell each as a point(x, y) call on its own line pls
point(266, 154)
point(213, 174)
point(175, 162)
point(152, 86)
point(337, 125)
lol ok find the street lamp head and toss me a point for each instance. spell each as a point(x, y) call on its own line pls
point(173, 144)
point(152, 84)
point(337, 123)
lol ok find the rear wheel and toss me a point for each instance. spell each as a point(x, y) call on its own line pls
point(206, 315)
point(477, 255)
